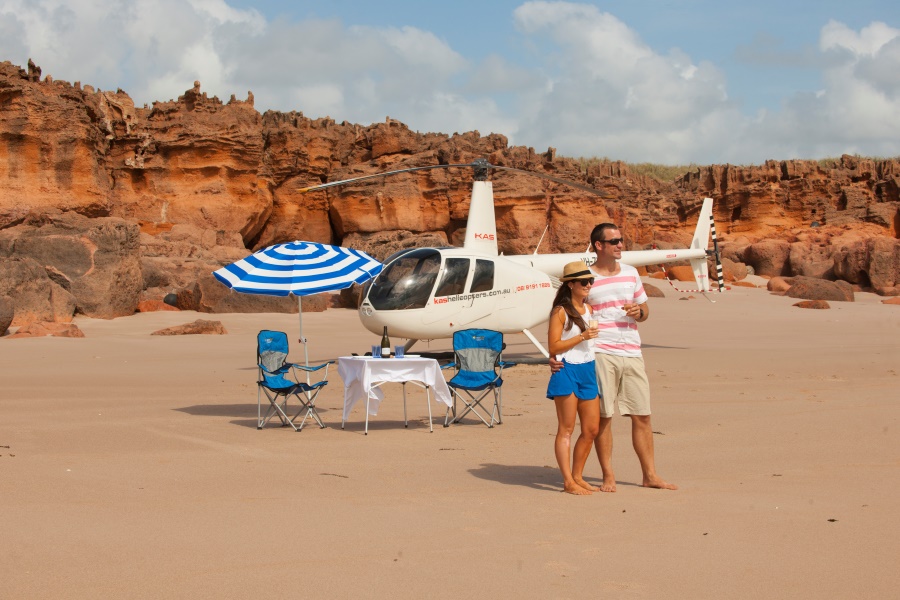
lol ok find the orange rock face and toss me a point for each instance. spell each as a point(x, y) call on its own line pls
point(228, 173)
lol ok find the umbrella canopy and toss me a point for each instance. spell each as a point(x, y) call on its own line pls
point(299, 268)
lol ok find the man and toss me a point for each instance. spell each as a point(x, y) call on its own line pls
point(619, 303)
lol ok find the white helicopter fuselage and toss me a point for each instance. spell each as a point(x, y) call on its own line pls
point(430, 293)
point(519, 298)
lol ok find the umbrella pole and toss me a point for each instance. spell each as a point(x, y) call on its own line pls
point(302, 337)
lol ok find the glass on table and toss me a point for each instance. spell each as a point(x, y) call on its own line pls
point(376, 351)
point(399, 351)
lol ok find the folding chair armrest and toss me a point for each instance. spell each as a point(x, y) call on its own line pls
point(285, 368)
point(279, 371)
point(448, 366)
point(505, 365)
point(312, 368)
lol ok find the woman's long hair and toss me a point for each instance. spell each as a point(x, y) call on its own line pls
point(564, 299)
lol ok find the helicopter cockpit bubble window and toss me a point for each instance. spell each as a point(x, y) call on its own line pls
point(406, 281)
point(483, 280)
point(456, 270)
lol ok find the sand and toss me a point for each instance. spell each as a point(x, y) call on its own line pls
point(131, 467)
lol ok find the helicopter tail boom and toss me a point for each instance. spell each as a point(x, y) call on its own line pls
point(481, 228)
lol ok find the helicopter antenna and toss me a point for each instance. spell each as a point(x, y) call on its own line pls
point(542, 239)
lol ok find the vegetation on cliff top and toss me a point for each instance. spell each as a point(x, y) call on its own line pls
point(669, 173)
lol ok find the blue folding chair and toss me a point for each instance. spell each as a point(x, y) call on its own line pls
point(478, 365)
point(271, 358)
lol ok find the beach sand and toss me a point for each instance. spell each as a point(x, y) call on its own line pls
point(131, 467)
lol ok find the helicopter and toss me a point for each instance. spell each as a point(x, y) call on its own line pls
point(430, 293)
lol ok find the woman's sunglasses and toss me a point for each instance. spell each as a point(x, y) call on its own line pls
point(586, 282)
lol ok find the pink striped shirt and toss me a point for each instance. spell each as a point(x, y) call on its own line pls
point(618, 333)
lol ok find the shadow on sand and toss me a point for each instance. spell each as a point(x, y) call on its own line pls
point(538, 478)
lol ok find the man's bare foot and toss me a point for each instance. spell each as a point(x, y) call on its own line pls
point(586, 485)
point(656, 482)
point(608, 485)
point(574, 488)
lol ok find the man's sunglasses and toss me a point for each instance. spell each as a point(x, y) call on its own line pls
point(612, 242)
point(586, 282)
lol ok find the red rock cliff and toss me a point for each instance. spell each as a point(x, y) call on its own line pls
point(194, 165)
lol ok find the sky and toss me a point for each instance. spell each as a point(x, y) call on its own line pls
point(672, 82)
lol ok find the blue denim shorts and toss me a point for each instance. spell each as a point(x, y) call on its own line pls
point(579, 379)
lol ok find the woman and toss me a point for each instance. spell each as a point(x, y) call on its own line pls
point(574, 387)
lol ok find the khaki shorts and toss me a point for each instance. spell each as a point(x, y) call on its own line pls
point(623, 384)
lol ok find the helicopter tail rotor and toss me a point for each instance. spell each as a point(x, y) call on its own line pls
point(720, 277)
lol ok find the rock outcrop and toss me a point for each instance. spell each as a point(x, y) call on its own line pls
point(206, 182)
point(97, 261)
point(198, 327)
point(44, 329)
point(820, 289)
point(7, 312)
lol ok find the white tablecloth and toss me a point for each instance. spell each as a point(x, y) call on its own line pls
point(360, 373)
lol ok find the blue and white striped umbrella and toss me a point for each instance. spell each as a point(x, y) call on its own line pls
point(299, 268)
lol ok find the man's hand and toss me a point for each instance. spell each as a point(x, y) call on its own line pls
point(555, 365)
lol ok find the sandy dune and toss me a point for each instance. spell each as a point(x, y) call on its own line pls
point(131, 467)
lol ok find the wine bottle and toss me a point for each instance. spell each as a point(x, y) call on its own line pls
point(385, 345)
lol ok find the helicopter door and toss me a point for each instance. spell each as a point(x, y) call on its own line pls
point(449, 295)
point(483, 302)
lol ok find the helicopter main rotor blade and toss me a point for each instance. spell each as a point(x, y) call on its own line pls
point(555, 180)
point(322, 186)
point(480, 165)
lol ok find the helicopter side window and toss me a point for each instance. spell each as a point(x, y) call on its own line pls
point(454, 282)
point(406, 282)
point(483, 280)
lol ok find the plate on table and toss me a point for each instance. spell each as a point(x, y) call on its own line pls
point(412, 356)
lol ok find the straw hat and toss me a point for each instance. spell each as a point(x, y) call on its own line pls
point(576, 270)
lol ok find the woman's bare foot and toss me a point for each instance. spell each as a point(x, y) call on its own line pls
point(586, 485)
point(656, 482)
point(573, 488)
point(608, 485)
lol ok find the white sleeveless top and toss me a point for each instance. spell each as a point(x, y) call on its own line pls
point(582, 352)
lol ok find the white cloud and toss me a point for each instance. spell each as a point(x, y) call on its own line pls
point(858, 109)
point(593, 87)
point(612, 95)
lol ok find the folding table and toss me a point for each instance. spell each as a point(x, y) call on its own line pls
point(363, 376)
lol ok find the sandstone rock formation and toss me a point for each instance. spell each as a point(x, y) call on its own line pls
point(198, 327)
point(814, 304)
point(96, 260)
point(7, 312)
point(35, 296)
point(207, 182)
point(820, 289)
point(44, 329)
